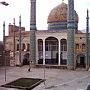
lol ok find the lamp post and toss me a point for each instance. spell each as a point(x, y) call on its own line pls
point(5, 4)
point(4, 48)
point(14, 39)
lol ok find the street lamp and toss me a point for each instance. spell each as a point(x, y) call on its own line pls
point(6, 4)
point(14, 39)
point(4, 48)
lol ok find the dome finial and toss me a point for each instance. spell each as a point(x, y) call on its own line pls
point(62, 0)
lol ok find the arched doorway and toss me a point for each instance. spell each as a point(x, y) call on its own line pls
point(51, 50)
point(63, 54)
point(80, 61)
point(26, 59)
point(40, 51)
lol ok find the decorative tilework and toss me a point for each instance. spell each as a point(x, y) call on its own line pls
point(57, 19)
point(32, 46)
point(70, 36)
point(59, 14)
point(32, 31)
point(33, 15)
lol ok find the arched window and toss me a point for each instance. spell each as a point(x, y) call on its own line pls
point(63, 45)
point(28, 47)
point(83, 46)
point(23, 46)
point(51, 44)
point(17, 47)
point(77, 46)
point(40, 45)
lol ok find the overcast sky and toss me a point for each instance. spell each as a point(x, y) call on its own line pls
point(17, 7)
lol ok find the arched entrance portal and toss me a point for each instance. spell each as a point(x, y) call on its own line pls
point(51, 50)
point(80, 62)
point(26, 59)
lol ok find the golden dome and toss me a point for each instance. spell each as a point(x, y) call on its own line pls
point(59, 13)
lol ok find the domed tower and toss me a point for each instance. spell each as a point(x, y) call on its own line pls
point(57, 19)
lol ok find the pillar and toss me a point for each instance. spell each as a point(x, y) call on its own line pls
point(44, 52)
point(70, 35)
point(59, 53)
point(37, 53)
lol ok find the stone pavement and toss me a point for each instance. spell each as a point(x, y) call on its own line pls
point(56, 79)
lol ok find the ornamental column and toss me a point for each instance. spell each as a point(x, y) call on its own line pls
point(33, 15)
point(70, 35)
point(32, 31)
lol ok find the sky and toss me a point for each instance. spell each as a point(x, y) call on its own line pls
point(43, 8)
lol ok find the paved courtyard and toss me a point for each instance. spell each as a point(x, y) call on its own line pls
point(56, 79)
